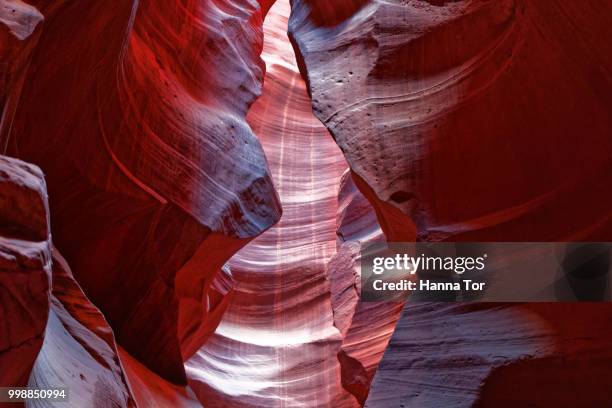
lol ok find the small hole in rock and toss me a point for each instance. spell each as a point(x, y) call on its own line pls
point(401, 196)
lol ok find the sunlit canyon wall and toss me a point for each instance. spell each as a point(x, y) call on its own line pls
point(185, 188)
point(283, 340)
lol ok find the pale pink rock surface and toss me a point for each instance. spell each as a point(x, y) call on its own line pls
point(19, 17)
point(294, 333)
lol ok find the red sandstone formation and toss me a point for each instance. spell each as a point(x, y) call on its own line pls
point(478, 120)
point(155, 178)
point(573, 372)
point(295, 331)
point(277, 343)
point(52, 336)
point(18, 22)
point(19, 18)
point(79, 351)
point(459, 119)
point(150, 390)
point(25, 268)
point(470, 120)
point(540, 354)
point(440, 354)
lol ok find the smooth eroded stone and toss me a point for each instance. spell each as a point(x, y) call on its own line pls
point(502, 355)
point(79, 351)
point(365, 327)
point(472, 120)
point(467, 120)
point(277, 343)
point(136, 114)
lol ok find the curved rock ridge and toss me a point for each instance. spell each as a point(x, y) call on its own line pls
point(474, 120)
point(277, 344)
point(470, 120)
point(365, 327)
point(150, 390)
point(137, 118)
point(51, 334)
point(79, 351)
point(25, 268)
point(440, 354)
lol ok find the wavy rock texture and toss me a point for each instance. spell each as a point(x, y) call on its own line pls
point(79, 350)
point(477, 120)
point(460, 120)
point(575, 373)
point(277, 344)
point(497, 356)
point(440, 354)
point(281, 342)
point(154, 175)
point(52, 336)
point(25, 268)
point(472, 120)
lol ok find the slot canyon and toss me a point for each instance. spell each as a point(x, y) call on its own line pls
point(185, 188)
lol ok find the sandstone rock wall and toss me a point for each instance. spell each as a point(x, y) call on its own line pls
point(136, 114)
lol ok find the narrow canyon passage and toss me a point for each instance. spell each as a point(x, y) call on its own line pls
point(277, 344)
point(142, 150)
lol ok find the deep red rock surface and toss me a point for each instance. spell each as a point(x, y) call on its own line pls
point(18, 36)
point(52, 336)
point(538, 355)
point(150, 390)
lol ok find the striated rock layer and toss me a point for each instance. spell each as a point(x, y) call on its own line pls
point(79, 351)
point(539, 355)
point(365, 327)
point(277, 344)
point(460, 120)
point(472, 119)
point(136, 116)
point(51, 335)
point(440, 354)
point(292, 334)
